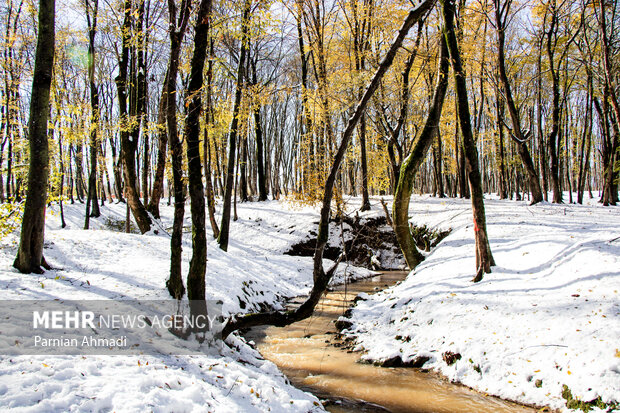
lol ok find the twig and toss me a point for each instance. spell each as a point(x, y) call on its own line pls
point(538, 345)
point(231, 387)
point(387, 213)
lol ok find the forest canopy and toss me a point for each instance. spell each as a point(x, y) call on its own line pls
point(306, 64)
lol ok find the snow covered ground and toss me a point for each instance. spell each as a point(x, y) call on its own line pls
point(547, 316)
point(106, 264)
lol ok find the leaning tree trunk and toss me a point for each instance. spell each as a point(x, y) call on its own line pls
point(30, 253)
point(484, 258)
point(413, 162)
point(322, 278)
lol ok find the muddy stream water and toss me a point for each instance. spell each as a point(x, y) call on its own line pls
point(316, 360)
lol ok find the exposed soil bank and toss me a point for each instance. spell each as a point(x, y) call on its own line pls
point(368, 242)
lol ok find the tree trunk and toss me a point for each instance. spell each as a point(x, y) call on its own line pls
point(517, 133)
point(484, 257)
point(258, 133)
point(116, 171)
point(610, 186)
point(610, 149)
point(70, 176)
point(198, 263)
point(92, 206)
point(57, 127)
point(4, 140)
point(362, 135)
point(438, 164)
point(234, 125)
point(586, 142)
point(236, 186)
point(500, 146)
point(129, 130)
point(210, 197)
point(9, 162)
point(63, 224)
point(307, 148)
point(539, 122)
point(244, 169)
point(162, 147)
point(177, 28)
point(79, 177)
point(402, 117)
point(30, 253)
point(361, 27)
point(207, 144)
point(413, 162)
point(553, 139)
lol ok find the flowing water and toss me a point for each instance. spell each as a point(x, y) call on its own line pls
point(309, 353)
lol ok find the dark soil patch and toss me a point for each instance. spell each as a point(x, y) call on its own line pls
point(366, 238)
point(306, 249)
point(450, 358)
point(371, 243)
point(397, 361)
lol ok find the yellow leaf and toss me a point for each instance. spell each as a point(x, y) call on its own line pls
point(45, 365)
point(618, 353)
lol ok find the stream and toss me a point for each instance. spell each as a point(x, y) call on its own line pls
point(314, 359)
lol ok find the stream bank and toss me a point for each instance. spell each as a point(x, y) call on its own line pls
point(368, 242)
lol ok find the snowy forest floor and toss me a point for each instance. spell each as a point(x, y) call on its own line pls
point(548, 315)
